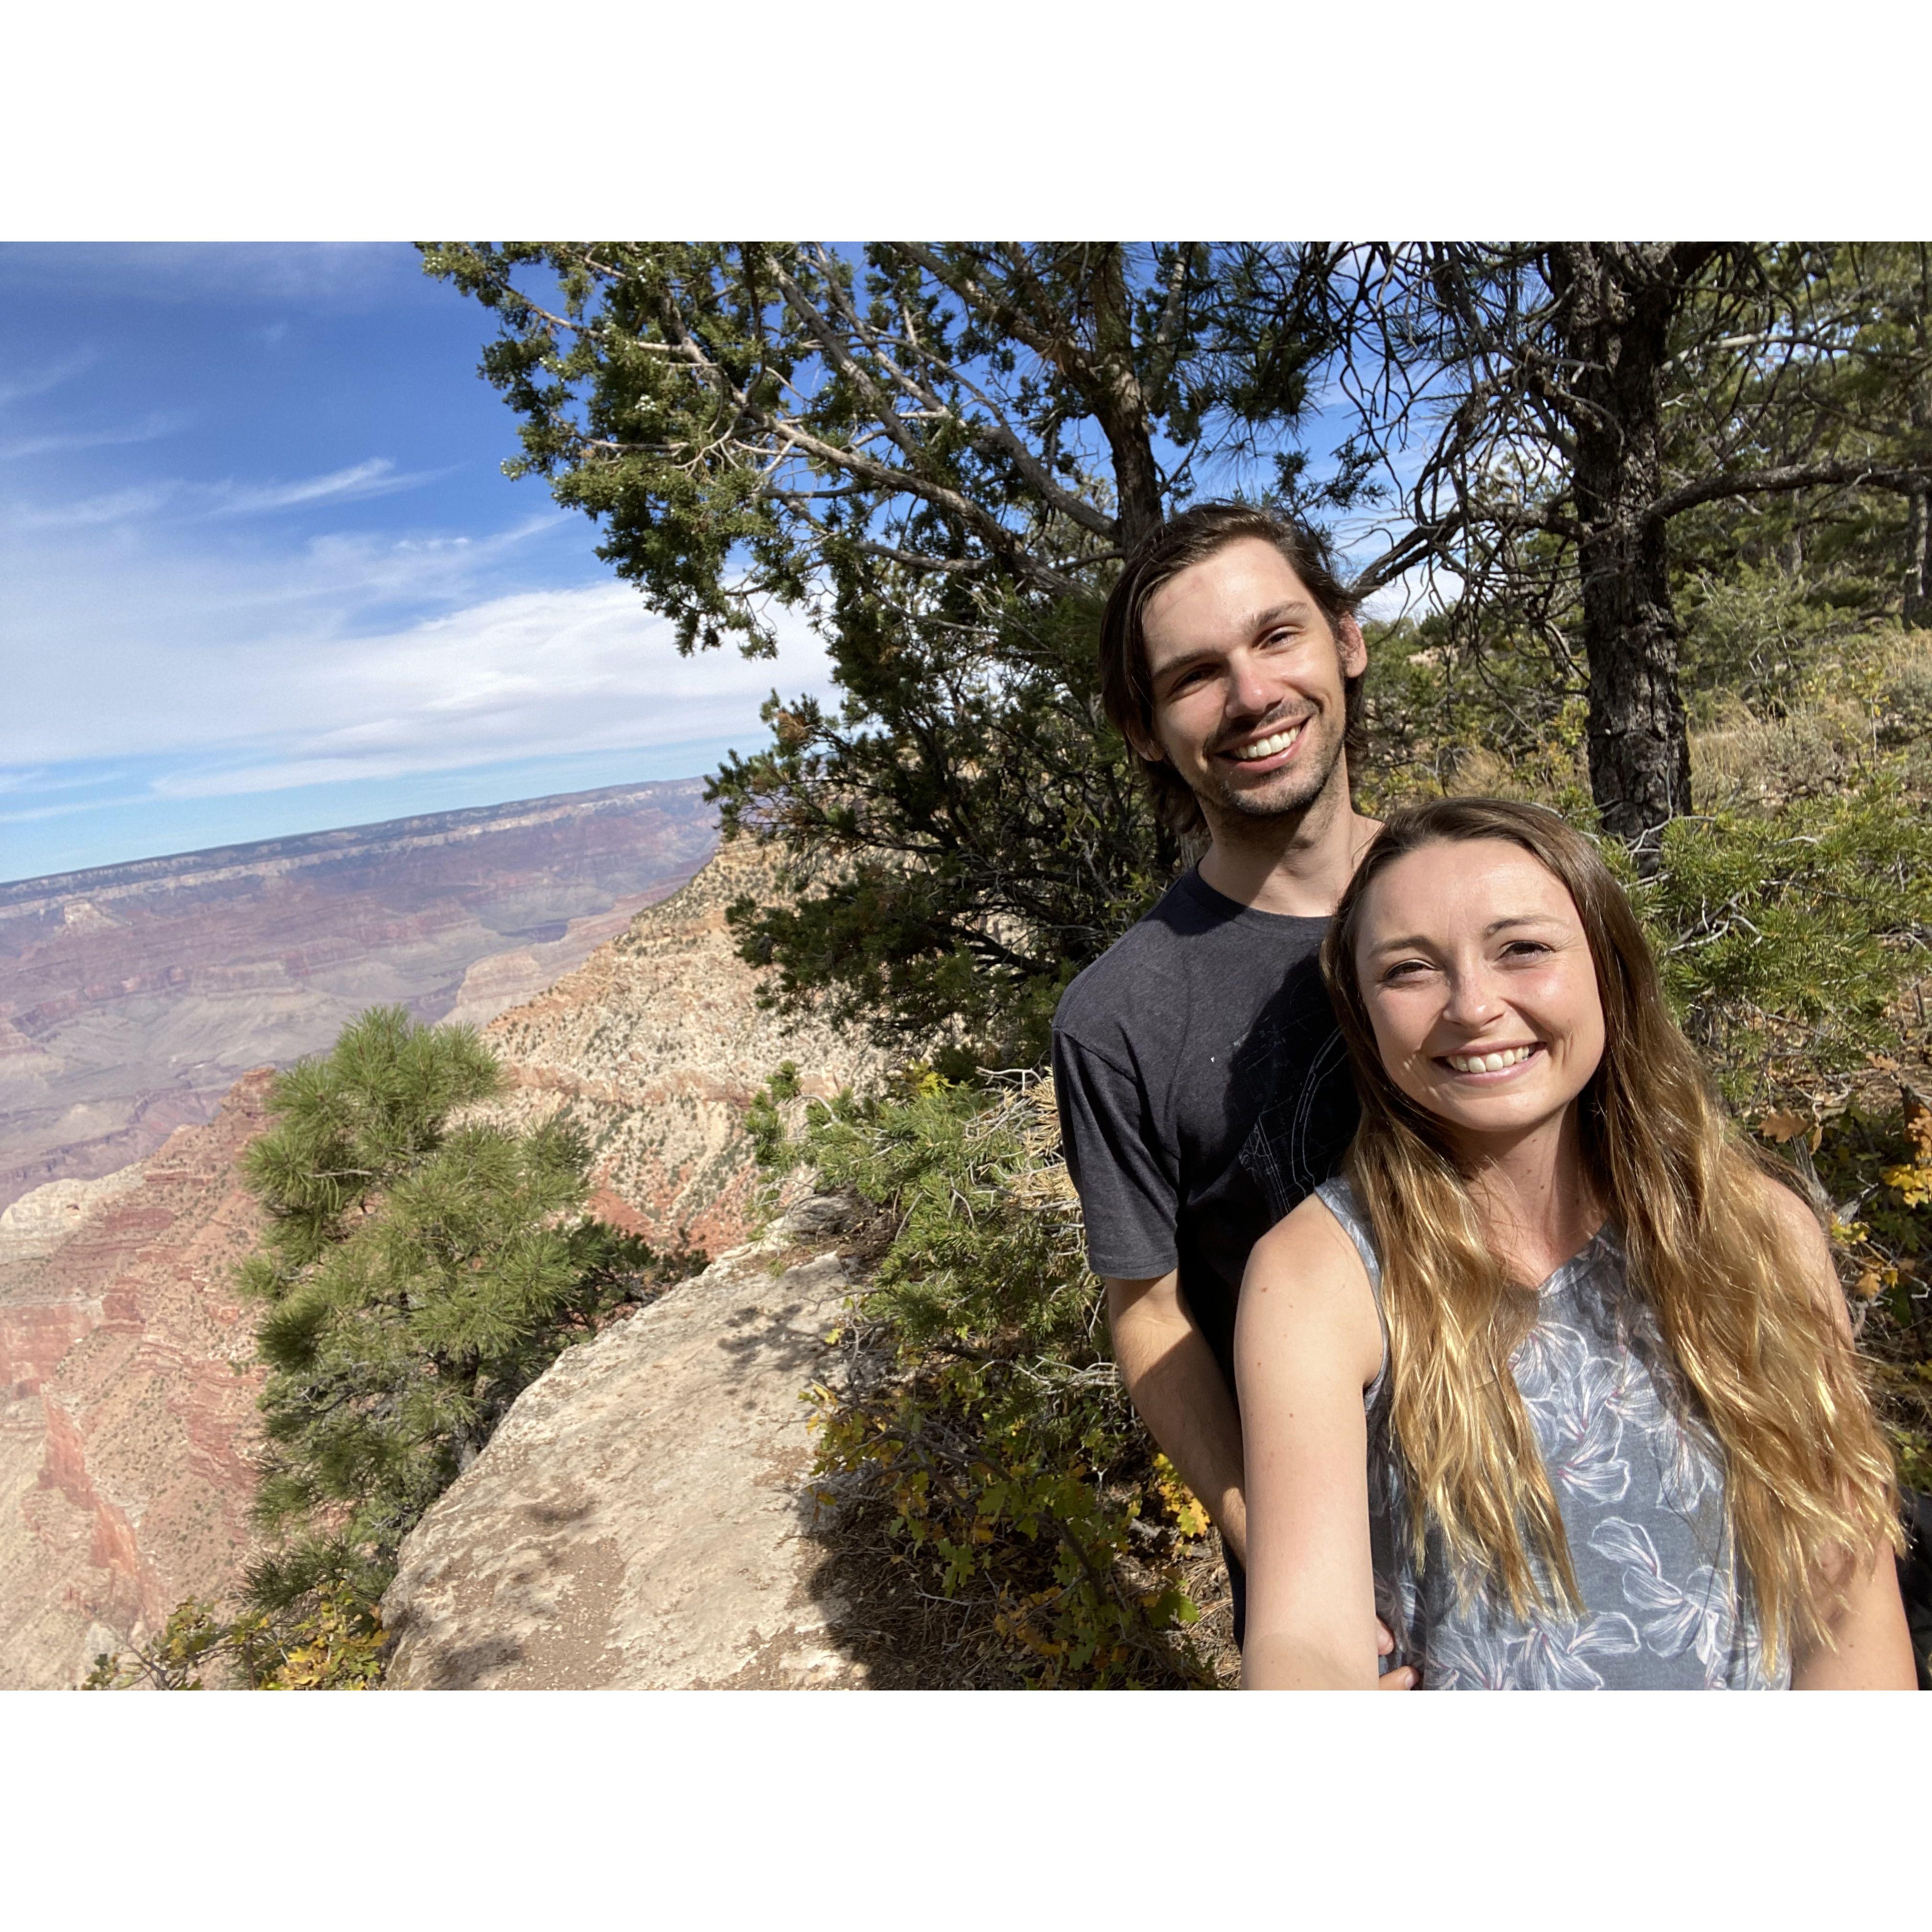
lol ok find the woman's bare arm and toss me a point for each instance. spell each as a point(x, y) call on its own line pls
point(1306, 1343)
point(1873, 1643)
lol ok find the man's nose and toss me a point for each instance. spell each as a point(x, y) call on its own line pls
point(1250, 692)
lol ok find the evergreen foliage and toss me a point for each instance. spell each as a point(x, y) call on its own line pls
point(1026, 1499)
point(937, 455)
point(961, 836)
point(419, 1270)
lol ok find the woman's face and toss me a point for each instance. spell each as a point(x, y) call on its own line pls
point(1477, 978)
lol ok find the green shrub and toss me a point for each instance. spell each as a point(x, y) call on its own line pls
point(1023, 1494)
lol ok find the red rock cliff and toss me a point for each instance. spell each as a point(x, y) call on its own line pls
point(126, 1433)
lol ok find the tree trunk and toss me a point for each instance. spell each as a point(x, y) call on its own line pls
point(1121, 403)
point(1918, 611)
point(1918, 561)
point(1616, 301)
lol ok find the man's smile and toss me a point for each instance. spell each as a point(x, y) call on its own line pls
point(1277, 744)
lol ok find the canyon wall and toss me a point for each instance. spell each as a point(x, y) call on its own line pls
point(127, 1418)
point(133, 996)
point(656, 1046)
point(127, 1434)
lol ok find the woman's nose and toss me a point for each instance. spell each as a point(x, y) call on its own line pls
point(1473, 1000)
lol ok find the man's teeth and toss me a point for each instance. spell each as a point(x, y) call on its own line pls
point(1488, 1063)
point(1266, 748)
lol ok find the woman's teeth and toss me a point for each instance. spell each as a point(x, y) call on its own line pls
point(1266, 748)
point(1488, 1063)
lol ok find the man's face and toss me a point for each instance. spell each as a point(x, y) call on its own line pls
point(1247, 676)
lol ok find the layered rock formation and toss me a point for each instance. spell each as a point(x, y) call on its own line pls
point(655, 1047)
point(132, 997)
point(642, 1518)
point(125, 1430)
point(125, 1435)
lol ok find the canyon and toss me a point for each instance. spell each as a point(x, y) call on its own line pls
point(133, 997)
point(128, 1423)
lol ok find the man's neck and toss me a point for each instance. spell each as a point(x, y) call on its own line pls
point(1298, 864)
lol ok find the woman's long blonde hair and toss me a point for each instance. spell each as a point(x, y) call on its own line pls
point(1809, 1475)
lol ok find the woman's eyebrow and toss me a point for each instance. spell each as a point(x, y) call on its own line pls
point(1521, 919)
point(1422, 943)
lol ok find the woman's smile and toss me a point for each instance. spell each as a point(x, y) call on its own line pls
point(1490, 1064)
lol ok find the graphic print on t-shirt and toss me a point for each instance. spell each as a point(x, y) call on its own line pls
point(1293, 1069)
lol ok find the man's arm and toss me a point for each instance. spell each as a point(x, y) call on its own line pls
point(1176, 1387)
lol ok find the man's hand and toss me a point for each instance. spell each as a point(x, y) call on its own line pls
point(1406, 1679)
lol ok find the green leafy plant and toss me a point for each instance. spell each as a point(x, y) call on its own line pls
point(981, 1403)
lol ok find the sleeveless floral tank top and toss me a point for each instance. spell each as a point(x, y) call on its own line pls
point(1640, 1483)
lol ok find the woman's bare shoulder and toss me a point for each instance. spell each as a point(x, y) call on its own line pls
point(1305, 1282)
point(1808, 1245)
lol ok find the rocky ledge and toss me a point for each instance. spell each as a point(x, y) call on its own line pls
point(642, 1519)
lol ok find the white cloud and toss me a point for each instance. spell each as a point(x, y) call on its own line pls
point(378, 477)
point(156, 425)
point(532, 674)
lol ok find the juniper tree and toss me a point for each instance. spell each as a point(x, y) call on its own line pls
point(420, 1269)
point(1585, 397)
point(941, 453)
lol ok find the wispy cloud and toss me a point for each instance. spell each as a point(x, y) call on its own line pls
point(347, 277)
point(155, 426)
point(38, 382)
point(378, 477)
point(115, 506)
point(359, 482)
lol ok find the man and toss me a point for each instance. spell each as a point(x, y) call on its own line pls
point(1203, 1087)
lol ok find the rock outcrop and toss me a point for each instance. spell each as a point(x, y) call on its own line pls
point(126, 1431)
point(655, 1047)
point(126, 1435)
point(642, 1518)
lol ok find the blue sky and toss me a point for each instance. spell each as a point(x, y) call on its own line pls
point(260, 571)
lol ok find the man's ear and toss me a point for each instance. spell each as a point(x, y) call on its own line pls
point(1148, 748)
point(1350, 646)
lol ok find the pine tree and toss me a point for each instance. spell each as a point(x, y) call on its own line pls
point(422, 1267)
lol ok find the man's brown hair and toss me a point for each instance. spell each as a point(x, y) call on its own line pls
point(1181, 541)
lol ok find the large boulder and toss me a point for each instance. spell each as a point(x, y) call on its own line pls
point(642, 1519)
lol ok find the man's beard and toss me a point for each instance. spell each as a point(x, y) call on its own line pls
point(1307, 783)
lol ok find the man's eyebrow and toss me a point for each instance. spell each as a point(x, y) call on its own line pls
point(1263, 620)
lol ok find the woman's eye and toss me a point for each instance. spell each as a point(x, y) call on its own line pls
point(1525, 949)
point(1404, 969)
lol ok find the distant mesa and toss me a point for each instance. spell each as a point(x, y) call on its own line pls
point(132, 997)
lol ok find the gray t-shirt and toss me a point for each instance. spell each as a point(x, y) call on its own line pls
point(1639, 1479)
point(1203, 1089)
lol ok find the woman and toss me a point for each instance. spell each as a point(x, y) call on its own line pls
point(1658, 1466)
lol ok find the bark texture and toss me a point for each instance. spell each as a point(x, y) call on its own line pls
point(1617, 301)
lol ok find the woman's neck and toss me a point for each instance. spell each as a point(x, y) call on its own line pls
point(1535, 1199)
